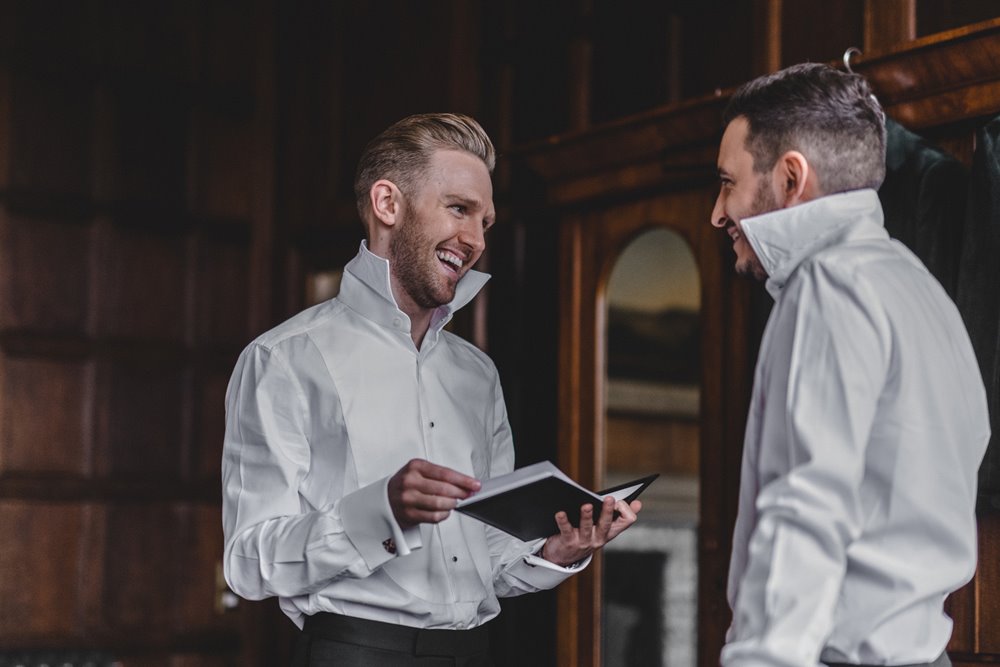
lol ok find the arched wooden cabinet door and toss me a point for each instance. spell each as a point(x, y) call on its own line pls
point(591, 244)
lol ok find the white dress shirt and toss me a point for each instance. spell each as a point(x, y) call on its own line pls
point(867, 425)
point(320, 412)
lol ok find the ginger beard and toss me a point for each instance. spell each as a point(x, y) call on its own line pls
point(416, 267)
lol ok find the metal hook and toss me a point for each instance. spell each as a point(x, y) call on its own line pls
point(847, 57)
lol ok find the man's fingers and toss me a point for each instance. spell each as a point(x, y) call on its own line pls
point(565, 527)
point(586, 521)
point(626, 511)
point(433, 478)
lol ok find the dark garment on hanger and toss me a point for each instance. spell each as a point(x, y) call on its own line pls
point(979, 290)
point(924, 197)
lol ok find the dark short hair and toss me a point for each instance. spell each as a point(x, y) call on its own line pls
point(402, 152)
point(829, 116)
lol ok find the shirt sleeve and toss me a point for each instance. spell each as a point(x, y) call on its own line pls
point(822, 373)
point(516, 568)
point(273, 547)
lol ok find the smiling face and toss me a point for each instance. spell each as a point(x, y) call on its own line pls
point(743, 193)
point(440, 234)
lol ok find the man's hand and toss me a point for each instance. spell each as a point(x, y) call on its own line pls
point(574, 544)
point(422, 492)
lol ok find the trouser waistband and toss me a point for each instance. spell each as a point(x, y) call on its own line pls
point(400, 638)
point(942, 661)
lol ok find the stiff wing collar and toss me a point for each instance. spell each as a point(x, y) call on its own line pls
point(368, 270)
point(782, 239)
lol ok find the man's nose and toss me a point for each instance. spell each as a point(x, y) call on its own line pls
point(719, 218)
point(472, 235)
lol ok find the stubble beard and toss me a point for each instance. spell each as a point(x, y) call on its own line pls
point(413, 265)
point(763, 202)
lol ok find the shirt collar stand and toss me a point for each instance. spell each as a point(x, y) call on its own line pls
point(783, 238)
point(366, 288)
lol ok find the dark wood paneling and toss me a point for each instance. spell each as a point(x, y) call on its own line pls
point(39, 542)
point(820, 32)
point(222, 300)
point(987, 587)
point(142, 285)
point(45, 423)
point(44, 274)
point(141, 419)
point(50, 141)
point(223, 171)
point(210, 390)
point(140, 556)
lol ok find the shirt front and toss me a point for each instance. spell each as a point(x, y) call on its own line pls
point(867, 425)
point(320, 412)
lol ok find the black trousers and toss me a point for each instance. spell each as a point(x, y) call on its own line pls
point(344, 641)
point(942, 661)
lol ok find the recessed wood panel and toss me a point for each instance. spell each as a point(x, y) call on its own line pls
point(199, 544)
point(222, 292)
point(210, 423)
point(143, 285)
point(842, 24)
point(141, 419)
point(39, 543)
point(987, 585)
point(147, 158)
point(51, 31)
point(140, 553)
point(224, 166)
point(651, 444)
point(44, 273)
point(228, 59)
point(51, 143)
point(45, 419)
point(157, 39)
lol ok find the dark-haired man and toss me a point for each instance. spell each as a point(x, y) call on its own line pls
point(868, 419)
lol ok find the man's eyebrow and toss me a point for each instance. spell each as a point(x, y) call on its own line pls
point(464, 199)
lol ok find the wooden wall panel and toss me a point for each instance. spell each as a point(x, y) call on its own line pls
point(222, 300)
point(988, 586)
point(135, 185)
point(157, 40)
point(59, 389)
point(210, 389)
point(142, 285)
point(193, 573)
point(39, 542)
point(141, 419)
point(44, 274)
point(647, 443)
point(148, 151)
point(51, 149)
point(224, 176)
point(140, 556)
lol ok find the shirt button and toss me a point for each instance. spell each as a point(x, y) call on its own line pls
point(432, 424)
point(454, 559)
point(395, 322)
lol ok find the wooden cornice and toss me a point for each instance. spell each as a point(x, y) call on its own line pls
point(938, 79)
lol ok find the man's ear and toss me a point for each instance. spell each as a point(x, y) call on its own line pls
point(386, 201)
point(794, 179)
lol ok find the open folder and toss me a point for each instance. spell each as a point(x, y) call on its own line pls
point(524, 502)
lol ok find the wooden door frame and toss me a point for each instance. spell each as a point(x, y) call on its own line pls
point(590, 244)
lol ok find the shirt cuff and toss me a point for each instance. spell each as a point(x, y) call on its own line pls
point(370, 525)
point(543, 574)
